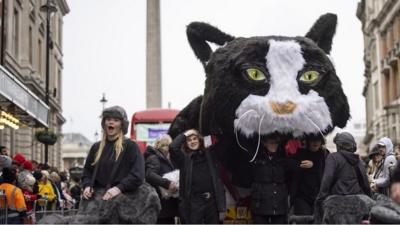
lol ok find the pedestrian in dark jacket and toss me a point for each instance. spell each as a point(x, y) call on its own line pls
point(201, 190)
point(344, 174)
point(308, 180)
point(158, 163)
point(115, 163)
point(271, 172)
point(75, 190)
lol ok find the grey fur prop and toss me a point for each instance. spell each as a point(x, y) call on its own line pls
point(350, 209)
point(385, 211)
point(140, 207)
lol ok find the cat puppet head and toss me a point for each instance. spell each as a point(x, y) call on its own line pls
point(262, 85)
point(270, 84)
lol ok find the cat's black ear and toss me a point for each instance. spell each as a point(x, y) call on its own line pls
point(323, 30)
point(199, 33)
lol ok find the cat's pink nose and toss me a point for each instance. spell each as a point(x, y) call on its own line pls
point(283, 108)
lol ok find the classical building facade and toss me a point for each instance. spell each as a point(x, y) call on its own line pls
point(381, 27)
point(75, 148)
point(23, 61)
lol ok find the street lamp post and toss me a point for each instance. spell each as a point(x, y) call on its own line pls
point(103, 100)
point(48, 8)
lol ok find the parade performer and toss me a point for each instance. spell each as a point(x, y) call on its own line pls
point(113, 179)
point(201, 191)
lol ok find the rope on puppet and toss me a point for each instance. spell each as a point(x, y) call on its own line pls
point(236, 130)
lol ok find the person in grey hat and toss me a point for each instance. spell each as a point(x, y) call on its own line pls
point(381, 180)
point(5, 162)
point(113, 151)
point(375, 164)
point(344, 173)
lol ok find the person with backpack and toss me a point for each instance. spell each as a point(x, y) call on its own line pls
point(344, 174)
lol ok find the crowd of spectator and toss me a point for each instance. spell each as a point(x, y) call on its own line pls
point(30, 186)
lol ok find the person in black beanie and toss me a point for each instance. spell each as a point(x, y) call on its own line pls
point(344, 174)
point(308, 180)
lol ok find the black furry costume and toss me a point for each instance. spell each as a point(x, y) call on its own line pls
point(263, 85)
point(245, 68)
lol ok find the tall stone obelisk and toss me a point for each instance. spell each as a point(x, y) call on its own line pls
point(153, 55)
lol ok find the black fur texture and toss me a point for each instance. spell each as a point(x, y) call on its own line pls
point(199, 33)
point(323, 30)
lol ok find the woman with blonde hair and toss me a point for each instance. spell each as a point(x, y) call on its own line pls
point(114, 172)
point(114, 163)
point(158, 163)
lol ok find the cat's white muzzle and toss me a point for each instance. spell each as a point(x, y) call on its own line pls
point(260, 114)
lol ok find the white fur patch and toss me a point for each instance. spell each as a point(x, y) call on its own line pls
point(284, 61)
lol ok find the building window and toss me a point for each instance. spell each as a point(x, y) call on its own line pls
point(60, 31)
point(383, 45)
point(373, 56)
point(30, 45)
point(389, 39)
point(393, 135)
point(40, 58)
point(15, 33)
point(386, 93)
point(378, 129)
point(59, 85)
point(395, 86)
point(376, 95)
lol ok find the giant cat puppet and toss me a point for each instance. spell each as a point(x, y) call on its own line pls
point(261, 85)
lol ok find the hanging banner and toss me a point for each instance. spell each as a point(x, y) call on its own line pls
point(149, 132)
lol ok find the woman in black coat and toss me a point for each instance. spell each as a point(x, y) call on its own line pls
point(157, 164)
point(201, 189)
point(272, 171)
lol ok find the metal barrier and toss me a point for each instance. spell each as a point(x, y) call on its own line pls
point(3, 207)
point(40, 210)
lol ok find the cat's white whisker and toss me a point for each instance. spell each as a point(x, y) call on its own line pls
point(315, 125)
point(236, 128)
point(259, 139)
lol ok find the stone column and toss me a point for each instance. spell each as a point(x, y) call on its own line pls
point(153, 55)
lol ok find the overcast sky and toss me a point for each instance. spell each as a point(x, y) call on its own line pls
point(105, 42)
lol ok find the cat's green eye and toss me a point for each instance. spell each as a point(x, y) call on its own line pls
point(255, 74)
point(309, 76)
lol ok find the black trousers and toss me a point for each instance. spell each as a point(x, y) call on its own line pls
point(301, 207)
point(203, 211)
point(269, 219)
point(167, 220)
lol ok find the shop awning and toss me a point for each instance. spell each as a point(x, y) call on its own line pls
point(22, 102)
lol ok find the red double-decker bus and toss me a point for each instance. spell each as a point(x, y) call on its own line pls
point(148, 124)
